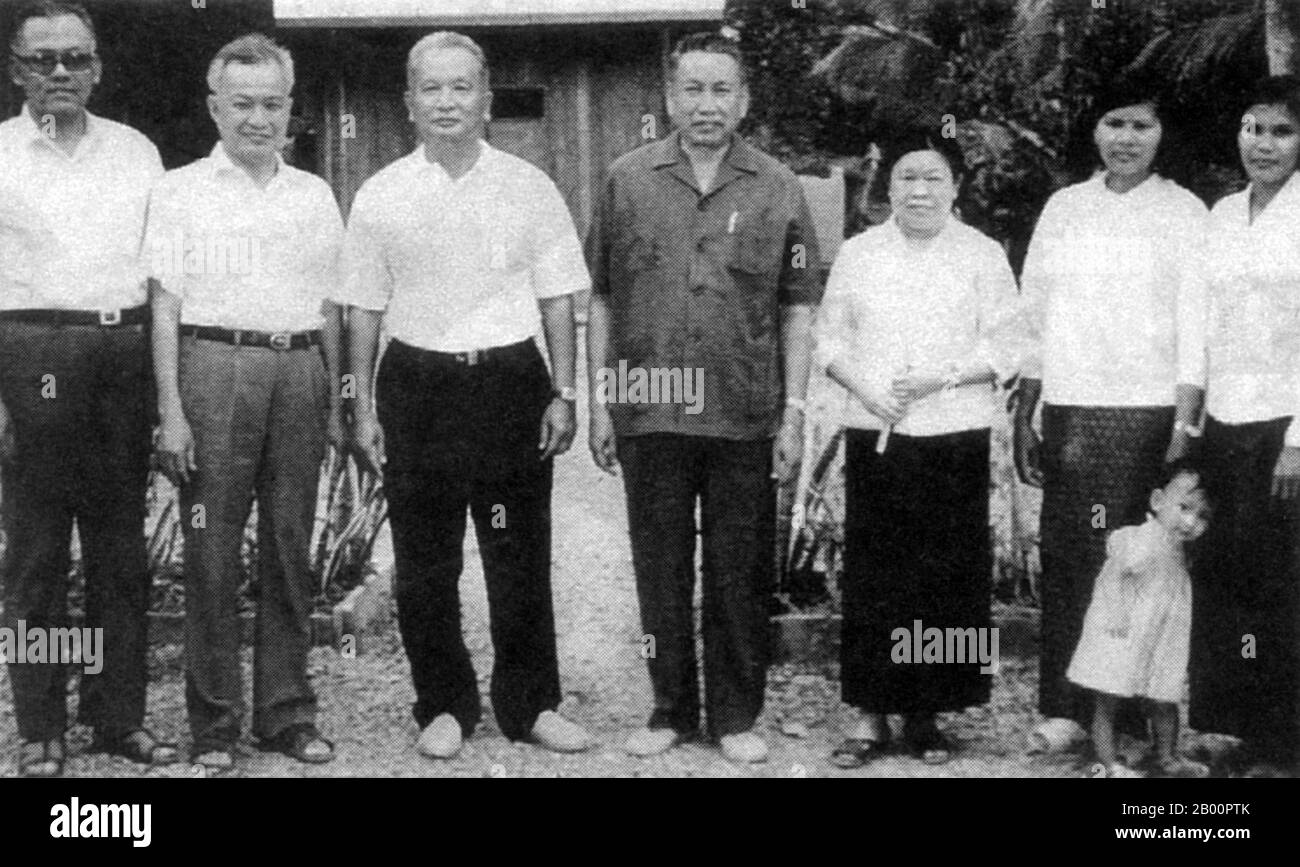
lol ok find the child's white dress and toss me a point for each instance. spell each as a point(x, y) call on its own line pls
point(1138, 627)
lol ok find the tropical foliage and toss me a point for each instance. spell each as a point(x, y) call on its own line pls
point(834, 76)
point(835, 80)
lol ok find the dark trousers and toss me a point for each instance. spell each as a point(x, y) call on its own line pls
point(1244, 583)
point(258, 417)
point(79, 399)
point(460, 436)
point(664, 475)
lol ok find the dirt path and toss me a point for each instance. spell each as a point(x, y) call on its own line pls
point(365, 701)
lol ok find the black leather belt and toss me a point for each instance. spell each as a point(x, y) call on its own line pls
point(281, 340)
point(479, 356)
point(99, 318)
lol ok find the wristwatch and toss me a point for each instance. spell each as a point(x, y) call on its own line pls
point(1190, 429)
point(568, 393)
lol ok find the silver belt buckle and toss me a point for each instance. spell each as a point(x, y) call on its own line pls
point(110, 317)
point(470, 358)
point(282, 340)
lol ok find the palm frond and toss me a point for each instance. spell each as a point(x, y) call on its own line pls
point(1034, 44)
point(1190, 53)
point(888, 69)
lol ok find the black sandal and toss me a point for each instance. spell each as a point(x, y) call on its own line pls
point(857, 752)
point(41, 759)
point(295, 742)
point(927, 743)
point(140, 746)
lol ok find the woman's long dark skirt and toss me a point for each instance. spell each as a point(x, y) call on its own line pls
point(1245, 585)
point(1092, 456)
point(916, 547)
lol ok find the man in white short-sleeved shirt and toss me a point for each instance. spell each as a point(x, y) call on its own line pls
point(74, 386)
point(245, 250)
point(465, 254)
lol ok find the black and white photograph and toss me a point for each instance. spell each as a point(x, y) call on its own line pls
point(791, 389)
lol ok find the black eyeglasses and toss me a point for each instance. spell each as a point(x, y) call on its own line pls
point(46, 62)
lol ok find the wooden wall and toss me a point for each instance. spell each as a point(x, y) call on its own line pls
point(600, 86)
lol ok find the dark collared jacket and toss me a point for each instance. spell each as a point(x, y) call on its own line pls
point(697, 282)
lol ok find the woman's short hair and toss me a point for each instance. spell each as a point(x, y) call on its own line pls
point(1171, 159)
point(914, 140)
point(1283, 90)
point(253, 49)
point(440, 41)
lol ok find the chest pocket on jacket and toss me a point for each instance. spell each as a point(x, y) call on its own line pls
point(758, 246)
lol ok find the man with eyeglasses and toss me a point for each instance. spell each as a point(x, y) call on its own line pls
point(74, 386)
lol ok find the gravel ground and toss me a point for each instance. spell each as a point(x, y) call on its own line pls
point(365, 701)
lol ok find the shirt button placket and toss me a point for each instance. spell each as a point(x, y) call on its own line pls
point(692, 335)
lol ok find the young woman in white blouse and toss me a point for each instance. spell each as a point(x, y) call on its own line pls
point(908, 326)
point(1245, 657)
point(1108, 263)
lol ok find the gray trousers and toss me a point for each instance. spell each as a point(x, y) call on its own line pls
point(258, 417)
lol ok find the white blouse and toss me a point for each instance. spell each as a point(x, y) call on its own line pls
point(1243, 329)
point(889, 306)
point(1101, 284)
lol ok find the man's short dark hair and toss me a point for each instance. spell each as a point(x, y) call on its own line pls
point(49, 9)
point(709, 43)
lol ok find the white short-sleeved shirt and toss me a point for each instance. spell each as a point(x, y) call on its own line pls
point(889, 306)
point(1247, 323)
point(241, 256)
point(71, 226)
point(459, 265)
point(1101, 283)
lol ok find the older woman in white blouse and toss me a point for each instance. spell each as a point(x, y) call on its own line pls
point(1108, 265)
point(908, 327)
point(1245, 657)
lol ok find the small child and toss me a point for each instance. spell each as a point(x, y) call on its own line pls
point(1137, 631)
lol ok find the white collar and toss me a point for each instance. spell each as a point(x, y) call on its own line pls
point(487, 156)
point(897, 237)
point(37, 136)
point(1284, 200)
point(1151, 186)
point(219, 162)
